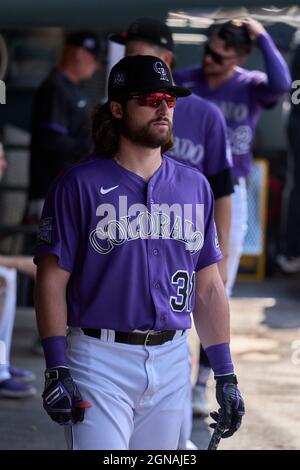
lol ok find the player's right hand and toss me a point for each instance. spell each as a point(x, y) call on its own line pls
point(61, 397)
point(232, 407)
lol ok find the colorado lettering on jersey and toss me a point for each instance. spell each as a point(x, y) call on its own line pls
point(136, 222)
point(186, 150)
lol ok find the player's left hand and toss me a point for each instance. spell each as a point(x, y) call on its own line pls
point(61, 397)
point(232, 407)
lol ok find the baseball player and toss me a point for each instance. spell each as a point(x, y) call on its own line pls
point(199, 128)
point(241, 95)
point(127, 249)
point(200, 140)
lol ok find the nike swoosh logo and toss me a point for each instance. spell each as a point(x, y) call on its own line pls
point(107, 190)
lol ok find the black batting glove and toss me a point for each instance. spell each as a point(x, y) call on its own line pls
point(232, 407)
point(61, 398)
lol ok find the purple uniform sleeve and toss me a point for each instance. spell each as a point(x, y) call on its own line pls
point(267, 88)
point(58, 229)
point(210, 252)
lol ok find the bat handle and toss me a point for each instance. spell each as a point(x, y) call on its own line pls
point(217, 436)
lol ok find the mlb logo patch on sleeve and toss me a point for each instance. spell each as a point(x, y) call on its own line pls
point(45, 231)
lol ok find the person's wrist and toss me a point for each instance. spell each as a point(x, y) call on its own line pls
point(55, 351)
point(226, 379)
point(219, 358)
point(262, 36)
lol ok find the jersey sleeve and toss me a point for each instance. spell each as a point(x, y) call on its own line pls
point(210, 252)
point(267, 88)
point(58, 228)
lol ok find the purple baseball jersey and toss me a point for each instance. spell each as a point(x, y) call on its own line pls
point(200, 137)
point(242, 97)
point(132, 247)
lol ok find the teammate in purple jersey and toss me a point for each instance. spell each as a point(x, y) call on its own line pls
point(127, 248)
point(241, 95)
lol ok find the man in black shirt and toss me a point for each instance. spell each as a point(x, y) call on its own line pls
point(61, 123)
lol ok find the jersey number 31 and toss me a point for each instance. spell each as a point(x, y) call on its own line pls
point(185, 287)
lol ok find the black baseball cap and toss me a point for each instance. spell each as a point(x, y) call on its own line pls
point(147, 29)
point(86, 39)
point(141, 74)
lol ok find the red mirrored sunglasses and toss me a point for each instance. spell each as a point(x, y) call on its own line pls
point(154, 99)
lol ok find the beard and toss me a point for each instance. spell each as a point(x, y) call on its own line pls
point(146, 135)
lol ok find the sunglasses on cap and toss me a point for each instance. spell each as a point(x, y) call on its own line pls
point(154, 100)
point(216, 57)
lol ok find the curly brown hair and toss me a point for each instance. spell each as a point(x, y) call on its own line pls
point(106, 130)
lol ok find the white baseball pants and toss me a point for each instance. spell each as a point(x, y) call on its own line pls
point(238, 230)
point(137, 393)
